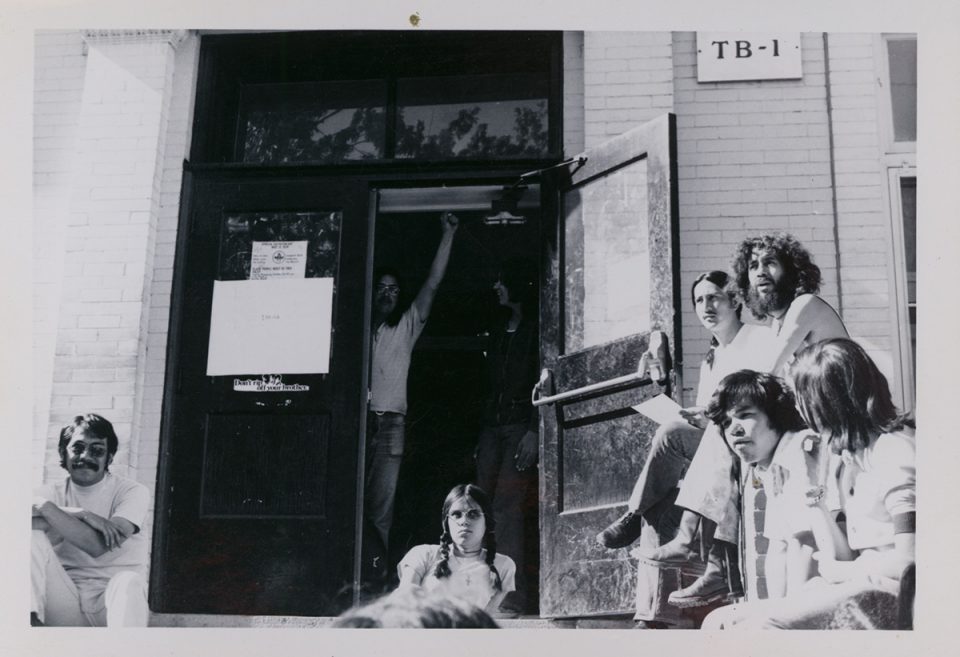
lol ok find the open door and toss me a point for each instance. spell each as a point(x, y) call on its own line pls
point(612, 279)
point(257, 487)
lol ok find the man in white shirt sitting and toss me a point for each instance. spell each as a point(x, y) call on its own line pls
point(88, 555)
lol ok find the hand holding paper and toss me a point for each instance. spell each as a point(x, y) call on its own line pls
point(661, 409)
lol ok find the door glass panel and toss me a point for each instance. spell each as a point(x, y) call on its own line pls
point(606, 259)
point(321, 231)
point(472, 116)
point(902, 56)
point(313, 122)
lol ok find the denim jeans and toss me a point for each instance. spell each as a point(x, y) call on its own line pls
point(513, 494)
point(385, 436)
point(674, 445)
point(710, 487)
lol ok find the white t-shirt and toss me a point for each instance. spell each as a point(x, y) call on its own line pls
point(470, 577)
point(112, 497)
point(750, 349)
point(785, 483)
point(877, 485)
point(392, 348)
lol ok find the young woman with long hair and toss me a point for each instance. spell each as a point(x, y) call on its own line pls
point(465, 564)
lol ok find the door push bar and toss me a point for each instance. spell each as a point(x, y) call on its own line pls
point(652, 367)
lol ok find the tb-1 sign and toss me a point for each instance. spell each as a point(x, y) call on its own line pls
point(726, 56)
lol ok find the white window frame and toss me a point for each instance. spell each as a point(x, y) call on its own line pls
point(905, 372)
point(890, 146)
point(899, 160)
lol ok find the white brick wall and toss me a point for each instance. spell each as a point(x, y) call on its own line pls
point(627, 80)
point(182, 86)
point(864, 228)
point(573, 110)
point(110, 148)
point(59, 65)
point(753, 158)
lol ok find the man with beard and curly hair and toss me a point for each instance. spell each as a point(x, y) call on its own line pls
point(778, 282)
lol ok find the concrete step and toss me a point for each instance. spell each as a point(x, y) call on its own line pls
point(306, 622)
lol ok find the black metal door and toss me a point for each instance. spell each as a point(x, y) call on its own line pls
point(258, 469)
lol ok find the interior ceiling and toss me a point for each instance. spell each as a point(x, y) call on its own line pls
point(430, 199)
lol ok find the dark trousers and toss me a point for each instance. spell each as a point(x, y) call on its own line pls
point(514, 497)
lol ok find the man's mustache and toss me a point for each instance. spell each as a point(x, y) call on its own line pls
point(90, 465)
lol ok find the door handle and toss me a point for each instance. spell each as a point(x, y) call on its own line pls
point(654, 366)
point(545, 383)
point(656, 359)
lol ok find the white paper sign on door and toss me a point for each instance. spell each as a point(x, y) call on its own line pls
point(274, 326)
point(278, 260)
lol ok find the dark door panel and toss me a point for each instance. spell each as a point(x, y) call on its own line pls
point(257, 488)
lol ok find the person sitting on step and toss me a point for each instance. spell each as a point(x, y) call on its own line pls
point(465, 564)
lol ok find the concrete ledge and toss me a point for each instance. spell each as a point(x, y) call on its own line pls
point(308, 622)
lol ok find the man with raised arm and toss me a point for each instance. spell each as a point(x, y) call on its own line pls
point(395, 332)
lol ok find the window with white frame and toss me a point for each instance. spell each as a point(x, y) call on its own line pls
point(899, 66)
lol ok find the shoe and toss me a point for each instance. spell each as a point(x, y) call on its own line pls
point(676, 551)
point(624, 531)
point(650, 625)
point(709, 588)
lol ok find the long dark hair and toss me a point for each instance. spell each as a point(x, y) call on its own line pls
point(840, 389)
point(764, 391)
point(519, 276)
point(722, 280)
point(800, 274)
point(474, 494)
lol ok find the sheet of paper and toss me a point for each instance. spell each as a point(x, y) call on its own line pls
point(661, 409)
point(273, 326)
point(278, 260)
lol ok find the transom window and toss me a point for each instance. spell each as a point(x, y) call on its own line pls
point(333, 97)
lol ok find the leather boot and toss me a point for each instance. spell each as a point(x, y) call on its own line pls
point(622, 532)
point(683, 548)
point(710, 587)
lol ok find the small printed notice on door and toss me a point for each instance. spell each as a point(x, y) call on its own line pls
point(277, 326)
point(278, 260)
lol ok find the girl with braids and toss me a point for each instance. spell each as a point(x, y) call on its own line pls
point(465, 564)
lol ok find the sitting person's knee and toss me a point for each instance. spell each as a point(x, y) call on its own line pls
point(671, 435)
point(127, 581)
point(126, 600)
point(40, 543)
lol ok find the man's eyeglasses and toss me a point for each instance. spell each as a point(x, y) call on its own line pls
point(472, 514)
point(389, 289)
point(95, 451)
